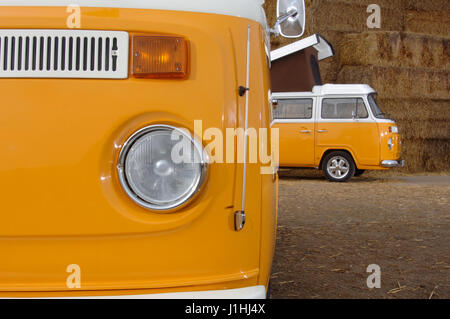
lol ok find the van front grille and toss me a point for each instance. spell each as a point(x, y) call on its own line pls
point(63, 54)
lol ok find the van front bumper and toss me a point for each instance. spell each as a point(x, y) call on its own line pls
point(391, 163)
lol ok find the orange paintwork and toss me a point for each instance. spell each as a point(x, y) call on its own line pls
point(385, 135)
point(62, 202)
point(297, 145)
point(301, 144)
point(360, 139)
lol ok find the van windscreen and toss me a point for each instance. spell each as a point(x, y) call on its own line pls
point(374, 106)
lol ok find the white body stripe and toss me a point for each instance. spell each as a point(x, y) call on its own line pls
point(255, 292)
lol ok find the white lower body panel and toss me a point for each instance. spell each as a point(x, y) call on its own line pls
point(255, 292)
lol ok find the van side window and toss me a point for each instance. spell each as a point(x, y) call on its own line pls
point(293, 109)
point(343, 108)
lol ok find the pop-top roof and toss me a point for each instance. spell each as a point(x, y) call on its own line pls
point(323, 47)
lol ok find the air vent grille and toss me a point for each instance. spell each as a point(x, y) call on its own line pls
point(63, 54)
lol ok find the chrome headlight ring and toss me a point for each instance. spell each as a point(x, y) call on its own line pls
point(140, 190)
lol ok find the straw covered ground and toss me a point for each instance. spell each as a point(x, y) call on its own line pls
point(407, 61)
point(326, 243)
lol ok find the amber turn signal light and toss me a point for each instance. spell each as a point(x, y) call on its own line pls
point(159, 57)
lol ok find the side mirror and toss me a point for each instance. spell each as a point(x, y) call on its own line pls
point(354, 115)
point(291, 18)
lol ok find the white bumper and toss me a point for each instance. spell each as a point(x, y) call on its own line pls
point(255, 292)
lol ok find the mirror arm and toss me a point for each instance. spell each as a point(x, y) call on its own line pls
point(275, 30)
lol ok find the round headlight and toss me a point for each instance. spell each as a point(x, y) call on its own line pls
point(150, 169)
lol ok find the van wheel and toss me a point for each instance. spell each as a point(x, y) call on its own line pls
point(359, 172)
point(338, 167)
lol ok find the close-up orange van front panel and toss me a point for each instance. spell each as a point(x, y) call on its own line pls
point(62, 202)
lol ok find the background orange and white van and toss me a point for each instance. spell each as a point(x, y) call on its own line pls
point(337, 128)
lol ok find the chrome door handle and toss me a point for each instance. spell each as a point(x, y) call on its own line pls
point(322, 131)
point(305, 131)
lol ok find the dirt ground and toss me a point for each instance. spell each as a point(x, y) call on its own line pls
point(329, 234)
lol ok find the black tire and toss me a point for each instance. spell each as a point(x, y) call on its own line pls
point(359, 172)
point(347, 170)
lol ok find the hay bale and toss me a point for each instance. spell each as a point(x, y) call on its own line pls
point(400, 82)
point(391, 4)
point(426, 155)
point(428, 5)
point(423, 129)
point(434, 23)
point(270, 6)
point(416, 109)
point(395, 49)
point(345, 17)
point(329, 70)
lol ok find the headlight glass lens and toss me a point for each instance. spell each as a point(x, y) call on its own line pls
point(150, 173)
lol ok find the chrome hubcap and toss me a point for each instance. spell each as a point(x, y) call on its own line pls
point(338, 167)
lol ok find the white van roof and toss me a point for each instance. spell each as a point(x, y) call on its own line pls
point(250, 9)
point(329, 89)
point(342, 89)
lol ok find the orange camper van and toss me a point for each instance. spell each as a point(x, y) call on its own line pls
point(338, 128)
point(93, 202)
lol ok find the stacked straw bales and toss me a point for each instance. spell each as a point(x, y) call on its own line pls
point(407, 61)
